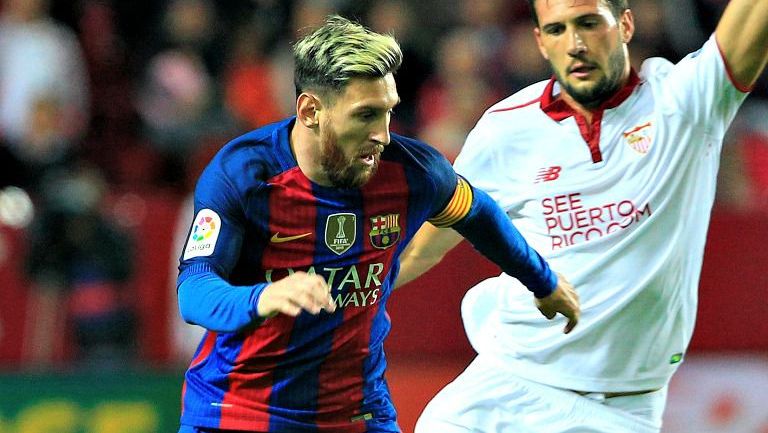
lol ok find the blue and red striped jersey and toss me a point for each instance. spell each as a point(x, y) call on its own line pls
point(258, 218)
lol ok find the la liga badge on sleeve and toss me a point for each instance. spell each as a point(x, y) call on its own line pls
point(203, 235)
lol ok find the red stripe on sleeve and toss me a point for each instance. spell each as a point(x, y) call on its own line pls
point(743, 88)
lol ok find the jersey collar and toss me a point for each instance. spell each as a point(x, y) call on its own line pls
point(558, 109)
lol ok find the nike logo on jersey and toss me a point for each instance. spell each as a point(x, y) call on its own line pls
point(277, 239)
point(548, 174)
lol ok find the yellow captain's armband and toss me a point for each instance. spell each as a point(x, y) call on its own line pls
point(457, 208)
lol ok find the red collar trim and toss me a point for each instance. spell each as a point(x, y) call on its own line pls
point(558, 109)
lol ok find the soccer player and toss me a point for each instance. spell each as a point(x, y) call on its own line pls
point(610, 174)
point(294, 249)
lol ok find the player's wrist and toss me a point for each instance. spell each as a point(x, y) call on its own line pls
point(547, 287)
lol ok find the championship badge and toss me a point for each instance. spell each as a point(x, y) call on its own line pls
point(340, 232)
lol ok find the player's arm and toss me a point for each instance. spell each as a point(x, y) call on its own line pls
point(476, 216)
point(426, 249)
point(742, 35)
point(206, 297)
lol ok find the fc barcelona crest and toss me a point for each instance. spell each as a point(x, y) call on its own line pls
point(639, 138)
point(385, 230)
point(340, 232)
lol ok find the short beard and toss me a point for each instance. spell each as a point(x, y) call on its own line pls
point(602, 90)
point(340, 170)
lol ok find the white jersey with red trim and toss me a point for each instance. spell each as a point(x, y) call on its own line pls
point(621, 209)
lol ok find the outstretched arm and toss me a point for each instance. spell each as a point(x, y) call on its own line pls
point(742, 35)
point(427, 249)
point(490, 231)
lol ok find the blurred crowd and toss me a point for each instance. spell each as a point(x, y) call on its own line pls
point(106, 96)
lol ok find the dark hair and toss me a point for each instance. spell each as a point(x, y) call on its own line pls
point(617, 8)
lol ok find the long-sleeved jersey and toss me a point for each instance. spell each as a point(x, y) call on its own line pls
point(258, 218)
point(621, 207)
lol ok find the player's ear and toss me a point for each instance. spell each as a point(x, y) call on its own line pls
point(307, 110)
point(627, 26)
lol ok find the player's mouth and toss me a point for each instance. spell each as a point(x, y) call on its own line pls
point(581, 70)
point(370, 156)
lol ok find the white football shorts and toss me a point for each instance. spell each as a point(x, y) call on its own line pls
point(486, 398)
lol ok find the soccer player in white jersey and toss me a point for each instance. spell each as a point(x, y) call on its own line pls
point(610, 174)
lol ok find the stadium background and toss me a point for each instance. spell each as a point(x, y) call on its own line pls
point(109, 109)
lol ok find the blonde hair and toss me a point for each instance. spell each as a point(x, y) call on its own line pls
point(340, 50)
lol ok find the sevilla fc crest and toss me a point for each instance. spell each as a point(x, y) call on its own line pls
point(385, 230)
point(639, 138)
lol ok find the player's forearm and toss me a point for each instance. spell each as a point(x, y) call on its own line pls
point(412, 267)
point(742, 35)
point(491, 232)
point(207, 300)
point(427, 249)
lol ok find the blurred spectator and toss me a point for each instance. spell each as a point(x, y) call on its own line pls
point(179, 108)
point(521, 61)
point(744, 175)
point(248, 79)
point(42, 63)
point(454, 97)
point(650, 37)
point(79, 263)
point(488, 19)
point(194, 26)
point(113, 115)
point(396, 17)
point(448, 131)
point(179, 100)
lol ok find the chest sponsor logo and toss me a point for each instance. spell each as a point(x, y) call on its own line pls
point(571, 222)
point(548, 174)
point(357, 285)
point(340, 232)
point(639, 138)
point(385, 230)
point(204, 234)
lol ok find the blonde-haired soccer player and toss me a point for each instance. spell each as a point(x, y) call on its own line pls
point(294, 246)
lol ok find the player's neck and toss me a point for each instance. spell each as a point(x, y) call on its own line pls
point(305, 146)
point(588, 111)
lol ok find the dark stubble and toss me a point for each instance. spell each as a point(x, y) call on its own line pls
point(607, 86)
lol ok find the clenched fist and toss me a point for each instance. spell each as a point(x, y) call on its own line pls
point(296, 292)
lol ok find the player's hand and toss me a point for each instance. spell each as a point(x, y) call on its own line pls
point(294, 293)
point(563, 300)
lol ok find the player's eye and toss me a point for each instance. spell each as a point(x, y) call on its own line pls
point(367, 115)
point(554, 29)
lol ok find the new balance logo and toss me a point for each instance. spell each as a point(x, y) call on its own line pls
point(548, 174)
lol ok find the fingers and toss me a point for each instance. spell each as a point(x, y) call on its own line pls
point(573, 315)
point(549, 314)
point(572, 322)
point(563, 300)
point(296, 293)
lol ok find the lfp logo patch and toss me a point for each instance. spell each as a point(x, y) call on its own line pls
point(204, 234)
